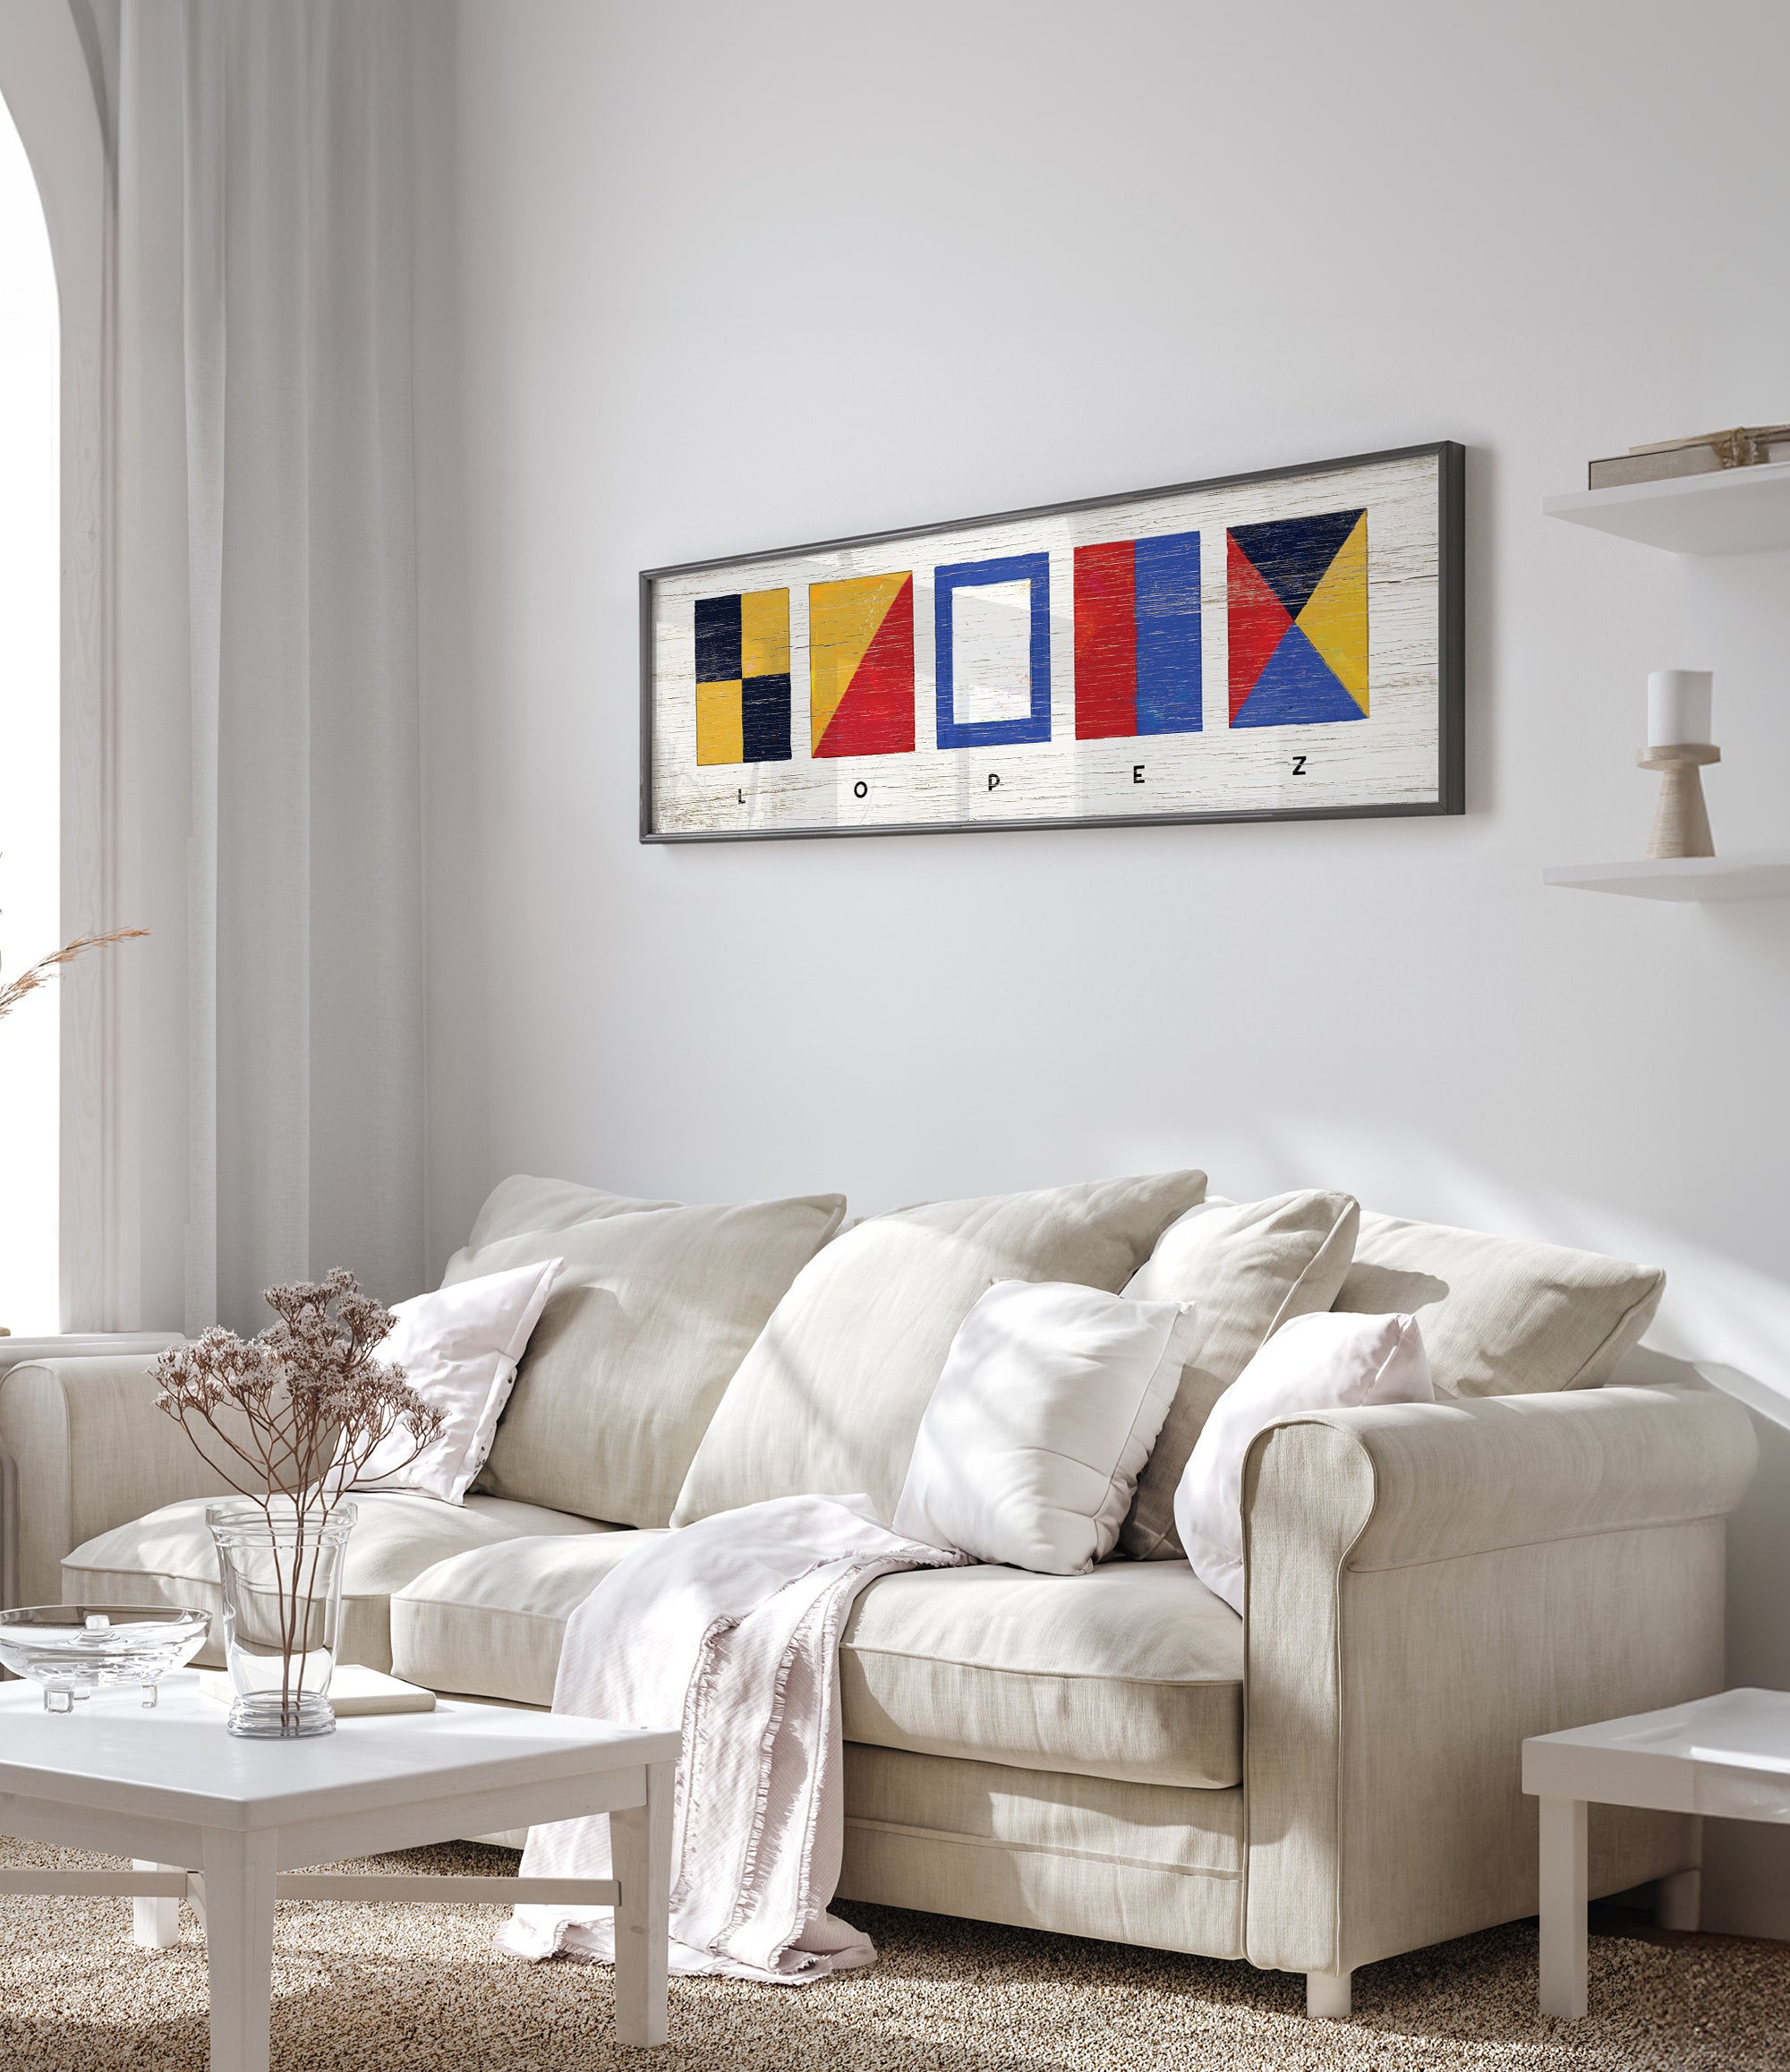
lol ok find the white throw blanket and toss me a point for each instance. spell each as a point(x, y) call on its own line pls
point(729, 1629)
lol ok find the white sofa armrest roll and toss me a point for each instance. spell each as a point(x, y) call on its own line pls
point(1427, 1584)
point(88, 1451)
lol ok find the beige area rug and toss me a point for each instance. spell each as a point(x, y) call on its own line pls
point(402, 1989)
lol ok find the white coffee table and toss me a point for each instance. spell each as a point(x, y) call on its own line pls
point(227, 1821)
point(1729, 1756)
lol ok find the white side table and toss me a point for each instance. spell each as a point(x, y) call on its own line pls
point(1729, 1756)
point(226, 1822)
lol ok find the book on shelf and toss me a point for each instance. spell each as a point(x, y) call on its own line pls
point(1744, 445)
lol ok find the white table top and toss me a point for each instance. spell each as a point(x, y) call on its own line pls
point(1728, 1755)
point(178, 1762)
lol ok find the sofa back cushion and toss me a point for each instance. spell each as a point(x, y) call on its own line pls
point(1501, 1316)
point(1248, 1267)
point(650, 1314)
point(524, 1203)
point(830, 1399)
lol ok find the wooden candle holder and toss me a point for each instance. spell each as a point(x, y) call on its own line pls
point(1681, 821)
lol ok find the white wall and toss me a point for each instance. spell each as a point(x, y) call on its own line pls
point(734, 277)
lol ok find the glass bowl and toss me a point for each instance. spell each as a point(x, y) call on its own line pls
point(73, 1651)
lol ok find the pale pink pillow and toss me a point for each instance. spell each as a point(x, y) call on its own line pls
point(1330, 1360)
point(458, 1348)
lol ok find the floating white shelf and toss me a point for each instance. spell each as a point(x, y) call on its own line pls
point(1682, 878)
point(1741, 510)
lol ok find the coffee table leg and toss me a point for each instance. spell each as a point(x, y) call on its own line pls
point(640, 1850)
point(155, 1923)
point(1563, 1907)
point(239, 1870)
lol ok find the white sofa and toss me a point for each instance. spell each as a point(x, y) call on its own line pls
point(1334, 1780)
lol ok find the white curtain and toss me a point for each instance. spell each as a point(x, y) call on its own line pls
point(274, 159)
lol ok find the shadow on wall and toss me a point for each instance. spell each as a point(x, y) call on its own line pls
point(1716, 1313)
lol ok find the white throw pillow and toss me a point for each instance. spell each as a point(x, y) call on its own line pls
point(1051, 1399)
point(1327, 1361)
point(458, 1348)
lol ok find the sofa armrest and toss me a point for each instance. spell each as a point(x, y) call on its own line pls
point(87, 1449)
point(1427, 1583)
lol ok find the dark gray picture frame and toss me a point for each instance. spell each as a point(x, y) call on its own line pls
point(1450, 637)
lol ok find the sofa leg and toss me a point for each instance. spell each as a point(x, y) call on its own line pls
point(1678, 1900)
point(1327, 1996)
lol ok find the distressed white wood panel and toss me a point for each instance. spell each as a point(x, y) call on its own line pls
point(992, 638)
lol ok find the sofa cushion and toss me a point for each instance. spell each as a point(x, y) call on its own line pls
point(169, 1558)
point(490, 1623)
point(1133, 1672)
point(1248, 1267)
point(524, 1203)
point(1501, 1316)
point(827, 1402)
point(651, 1313)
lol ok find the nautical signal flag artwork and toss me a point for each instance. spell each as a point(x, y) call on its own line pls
point(1297, 596)
point(861, 665)
point(1136, 637)
point(742, 684)
point(1264, 646)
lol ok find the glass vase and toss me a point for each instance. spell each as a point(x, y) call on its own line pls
point(280, 1568)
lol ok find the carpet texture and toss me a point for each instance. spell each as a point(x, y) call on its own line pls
point(419, 1989)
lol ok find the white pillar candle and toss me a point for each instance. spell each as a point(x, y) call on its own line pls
point(1678, 707)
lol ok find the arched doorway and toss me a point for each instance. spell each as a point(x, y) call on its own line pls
point(30, 752)
point(52, 80)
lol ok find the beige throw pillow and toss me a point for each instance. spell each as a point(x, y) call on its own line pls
point(1501, 1316)
point(828, 1400)
point(524, 1203)
point(1248, 1267)
point(650, 1314)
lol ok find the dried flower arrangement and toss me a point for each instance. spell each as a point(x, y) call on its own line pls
point(314, 1401)
point(311, 1404)
point(38, 974)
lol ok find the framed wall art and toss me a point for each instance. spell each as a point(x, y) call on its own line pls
point(1280, 646)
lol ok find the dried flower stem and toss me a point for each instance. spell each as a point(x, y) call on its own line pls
point(39, 973)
